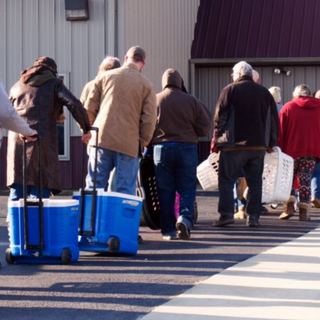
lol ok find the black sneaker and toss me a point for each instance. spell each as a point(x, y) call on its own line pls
point(183, 231)
point(264, 210)
point(223, 222)
point(253, 223)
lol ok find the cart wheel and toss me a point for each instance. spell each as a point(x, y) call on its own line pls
point(66, 256)
point(140, 239)
point(9, 257)
point(274, 205)
point(113, 244)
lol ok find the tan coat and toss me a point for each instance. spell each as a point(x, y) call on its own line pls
point(86, 90)
point(122, 104)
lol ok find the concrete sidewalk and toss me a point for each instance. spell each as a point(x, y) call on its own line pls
point(281, 283)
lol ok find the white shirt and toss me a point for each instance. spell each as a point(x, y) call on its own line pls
point(9, 117)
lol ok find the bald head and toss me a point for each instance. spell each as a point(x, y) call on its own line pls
point(255, 76)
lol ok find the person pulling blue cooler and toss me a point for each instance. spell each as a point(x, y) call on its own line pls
point(109, 221)
point(42, 230)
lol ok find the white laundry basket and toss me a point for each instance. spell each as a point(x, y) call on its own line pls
point(207, 172)
point(277, 176)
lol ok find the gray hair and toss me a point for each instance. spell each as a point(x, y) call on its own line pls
point(109, 63)
point(302, 90)
point(276, 93)
point(243, 68)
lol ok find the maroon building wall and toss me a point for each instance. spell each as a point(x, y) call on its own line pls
point(70, 171)
point(3, 163)
point(257, 29)
point(246, 29)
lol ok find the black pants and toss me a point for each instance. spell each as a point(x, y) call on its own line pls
point(230, 165)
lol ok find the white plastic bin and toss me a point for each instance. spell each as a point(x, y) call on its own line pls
point(207, 172)
point(277, 176)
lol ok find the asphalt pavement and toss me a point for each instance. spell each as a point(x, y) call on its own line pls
point(281, 283)
point(130, 287)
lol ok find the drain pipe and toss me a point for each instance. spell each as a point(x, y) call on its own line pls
point(116, 28)
point(111, 27)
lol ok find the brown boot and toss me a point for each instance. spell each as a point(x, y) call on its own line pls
point(304, 209)
point(241, 214)
point(242, 185)
point(288, 206)
point(316, 202)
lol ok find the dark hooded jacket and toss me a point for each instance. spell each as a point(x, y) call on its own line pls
point(39, 97)
point(246, 117)
point(300, 127)
point(181, 116)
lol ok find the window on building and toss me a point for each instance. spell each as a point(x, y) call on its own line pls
point(64, 128)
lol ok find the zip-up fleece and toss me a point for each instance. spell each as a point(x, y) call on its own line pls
point(246, 116)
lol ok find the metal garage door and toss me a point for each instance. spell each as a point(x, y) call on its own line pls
point(210, 80)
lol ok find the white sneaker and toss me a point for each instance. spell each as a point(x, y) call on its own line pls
point(169, 236)
point(183, 231)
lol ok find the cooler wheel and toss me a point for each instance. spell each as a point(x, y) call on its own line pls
point(9, 257)
point(66, 256)
point(114, 244)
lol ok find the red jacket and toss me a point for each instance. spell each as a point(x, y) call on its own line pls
point(300, 127)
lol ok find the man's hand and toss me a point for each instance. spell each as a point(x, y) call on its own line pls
point(213, 146)
point(86, 137)
point(214, 149)
point(33, 137)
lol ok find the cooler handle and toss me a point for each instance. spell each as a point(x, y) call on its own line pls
point(89, 192)
point(27, 245)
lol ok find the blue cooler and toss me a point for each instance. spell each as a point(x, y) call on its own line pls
point(112, 225)
point(54, 240)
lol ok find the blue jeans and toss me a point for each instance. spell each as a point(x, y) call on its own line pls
point(175, 168)
point(16, 192)
point(315, 182)
point(239, 203)
point(230, 165)
point(126, 170)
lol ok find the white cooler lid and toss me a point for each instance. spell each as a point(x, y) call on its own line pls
point(47, 202)
point(102, 192)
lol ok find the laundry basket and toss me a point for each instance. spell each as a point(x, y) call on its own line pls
point(207, 172)
point(277, 176)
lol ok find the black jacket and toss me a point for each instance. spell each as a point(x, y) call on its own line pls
point(246, 115)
